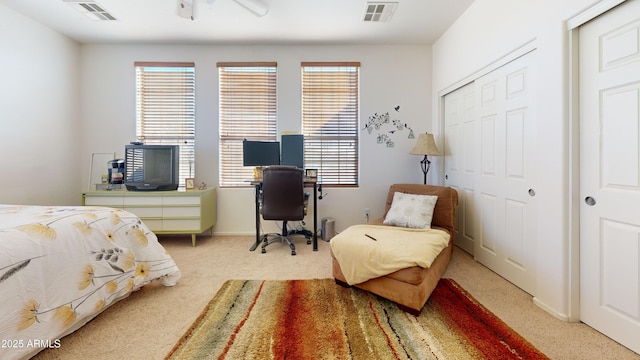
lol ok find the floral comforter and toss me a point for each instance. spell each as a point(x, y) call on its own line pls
point(61, 266)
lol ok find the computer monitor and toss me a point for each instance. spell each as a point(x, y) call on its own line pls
point(260, 153)
point(293, 150)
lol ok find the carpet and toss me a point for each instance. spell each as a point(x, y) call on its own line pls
point(317, 319)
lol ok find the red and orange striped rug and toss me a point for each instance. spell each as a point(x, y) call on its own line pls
point(317, 319)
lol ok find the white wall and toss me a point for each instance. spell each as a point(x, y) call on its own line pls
point(54, 117)
point(39, 124)
point(390, 76)
point(486, 32)
point(62, 101)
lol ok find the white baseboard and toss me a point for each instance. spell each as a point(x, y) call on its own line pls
point(550, 310)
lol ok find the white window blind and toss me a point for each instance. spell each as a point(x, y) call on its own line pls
point(247, 111)
point(330, 106)
point(165, 109)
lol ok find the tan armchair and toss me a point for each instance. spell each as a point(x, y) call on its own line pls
point(411, 287)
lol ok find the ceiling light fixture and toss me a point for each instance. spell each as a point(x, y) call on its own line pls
point(91, 9)
point(379, 11)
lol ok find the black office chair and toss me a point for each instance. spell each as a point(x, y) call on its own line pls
point(283, 199)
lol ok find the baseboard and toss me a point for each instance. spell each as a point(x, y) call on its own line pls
point(234, 233)
point(550, 310)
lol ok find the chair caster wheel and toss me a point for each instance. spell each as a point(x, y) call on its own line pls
point(293, 253)
point(264, 251)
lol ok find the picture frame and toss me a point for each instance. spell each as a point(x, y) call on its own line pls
point(189, 183)
point(312, 173)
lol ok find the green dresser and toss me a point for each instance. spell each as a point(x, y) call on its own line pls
point(164, 212)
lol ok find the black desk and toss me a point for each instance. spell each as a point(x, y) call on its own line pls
point(308, 182)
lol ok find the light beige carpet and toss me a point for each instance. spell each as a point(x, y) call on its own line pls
point(149, 323)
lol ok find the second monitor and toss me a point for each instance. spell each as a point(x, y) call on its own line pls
point(260, 153)
point(292, 148)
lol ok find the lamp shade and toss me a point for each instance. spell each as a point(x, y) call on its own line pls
point(426, 145)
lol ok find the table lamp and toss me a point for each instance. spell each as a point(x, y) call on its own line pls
point(426, 145)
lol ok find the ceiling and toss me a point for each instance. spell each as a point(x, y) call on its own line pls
point(227, 22)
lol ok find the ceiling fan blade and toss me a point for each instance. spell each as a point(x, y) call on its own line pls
point(185, 9)
point(258, 7)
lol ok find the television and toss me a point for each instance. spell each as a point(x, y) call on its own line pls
point(152, 167)
point(293, 150)
point(260, 153)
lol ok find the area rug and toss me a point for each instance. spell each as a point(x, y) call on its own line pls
point(317, 319)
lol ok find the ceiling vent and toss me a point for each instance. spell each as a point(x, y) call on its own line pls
point(379, 11)
point(91, 9)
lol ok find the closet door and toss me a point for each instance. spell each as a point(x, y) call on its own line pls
point(460, 161)
point(505, 138)
point(610, 174)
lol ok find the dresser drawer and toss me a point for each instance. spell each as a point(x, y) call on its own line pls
point(153, 224)
point(182, 211)
point(181, 200)
point(115, 201)
point(145, 212)
point(143, 200)
point(181, 225)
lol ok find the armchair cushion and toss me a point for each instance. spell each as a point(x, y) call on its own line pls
point(361, 258)
point(411, 210)
point(444, 213)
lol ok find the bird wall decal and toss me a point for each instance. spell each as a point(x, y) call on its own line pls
point(378, 121)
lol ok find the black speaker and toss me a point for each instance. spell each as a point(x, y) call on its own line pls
point(292, 147)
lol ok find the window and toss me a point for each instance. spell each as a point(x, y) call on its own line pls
point(247, 111)
point(330, 105)
point(165, 109)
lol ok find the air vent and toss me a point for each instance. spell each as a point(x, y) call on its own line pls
point(379, 11)
point(91, 9)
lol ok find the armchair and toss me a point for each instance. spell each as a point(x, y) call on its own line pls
point(409, 287)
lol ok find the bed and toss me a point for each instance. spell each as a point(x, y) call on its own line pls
point(60, 266)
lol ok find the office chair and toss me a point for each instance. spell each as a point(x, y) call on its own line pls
point(282, 199)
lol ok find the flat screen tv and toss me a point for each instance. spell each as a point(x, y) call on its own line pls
point(152, 167)
point(260, 153)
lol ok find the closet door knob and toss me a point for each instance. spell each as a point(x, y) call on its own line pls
point(532, 192)
point(590, 201)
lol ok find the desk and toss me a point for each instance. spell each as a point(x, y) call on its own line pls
point(308, 182)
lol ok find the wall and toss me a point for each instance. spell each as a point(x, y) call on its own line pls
point(39, 125)
point(488, 31)
point(390, 76)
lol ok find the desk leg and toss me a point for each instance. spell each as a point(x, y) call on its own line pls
point(255, 245)
point(315, 217)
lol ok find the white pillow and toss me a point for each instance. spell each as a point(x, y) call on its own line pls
point(411, 210)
